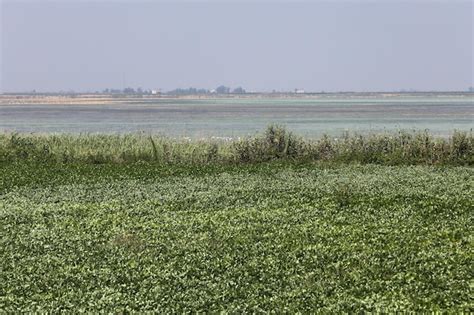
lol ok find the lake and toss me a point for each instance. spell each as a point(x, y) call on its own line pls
point(227, 117)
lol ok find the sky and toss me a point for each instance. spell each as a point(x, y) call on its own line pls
point(261, 45)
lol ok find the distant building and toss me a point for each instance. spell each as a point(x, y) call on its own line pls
point(298, 91)
point(155, 92)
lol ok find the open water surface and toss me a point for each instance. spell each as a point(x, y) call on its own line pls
point(239, 117)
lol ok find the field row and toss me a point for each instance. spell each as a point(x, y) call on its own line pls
point(253, 238)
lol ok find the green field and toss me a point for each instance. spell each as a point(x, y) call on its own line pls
point(285, 234)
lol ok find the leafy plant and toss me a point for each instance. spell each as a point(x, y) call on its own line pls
point(277, 236)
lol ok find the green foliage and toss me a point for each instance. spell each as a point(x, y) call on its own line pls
point(242, 238)
point(276, 143)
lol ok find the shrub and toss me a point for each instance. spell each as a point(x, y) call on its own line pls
point(276, 143)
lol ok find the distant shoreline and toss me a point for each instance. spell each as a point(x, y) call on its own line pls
point(110, 99)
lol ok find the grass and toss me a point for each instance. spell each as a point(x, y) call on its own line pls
point(136, 223)
point(273, 236)
point(276, 143)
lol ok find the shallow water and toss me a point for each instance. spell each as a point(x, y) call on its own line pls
point(238, 117)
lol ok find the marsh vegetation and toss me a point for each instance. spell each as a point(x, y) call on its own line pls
point(275, 143)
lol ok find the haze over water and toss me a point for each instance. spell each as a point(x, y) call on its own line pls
point(51, 46)
point(239, 117)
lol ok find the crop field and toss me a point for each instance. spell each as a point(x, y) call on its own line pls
point(121, 223)
point(258, 237)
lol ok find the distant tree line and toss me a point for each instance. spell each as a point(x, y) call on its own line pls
point(222, 89)
point(188, 91)
point(127, 90)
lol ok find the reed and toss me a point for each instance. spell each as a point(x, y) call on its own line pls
point(275, 143)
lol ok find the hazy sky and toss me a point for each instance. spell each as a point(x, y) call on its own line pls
point(264, 45)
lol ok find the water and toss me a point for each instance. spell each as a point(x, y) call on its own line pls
point(239, 117)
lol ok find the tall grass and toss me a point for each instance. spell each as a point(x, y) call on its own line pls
point(276, 143)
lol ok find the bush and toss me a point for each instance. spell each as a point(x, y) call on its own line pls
point(276, 143)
